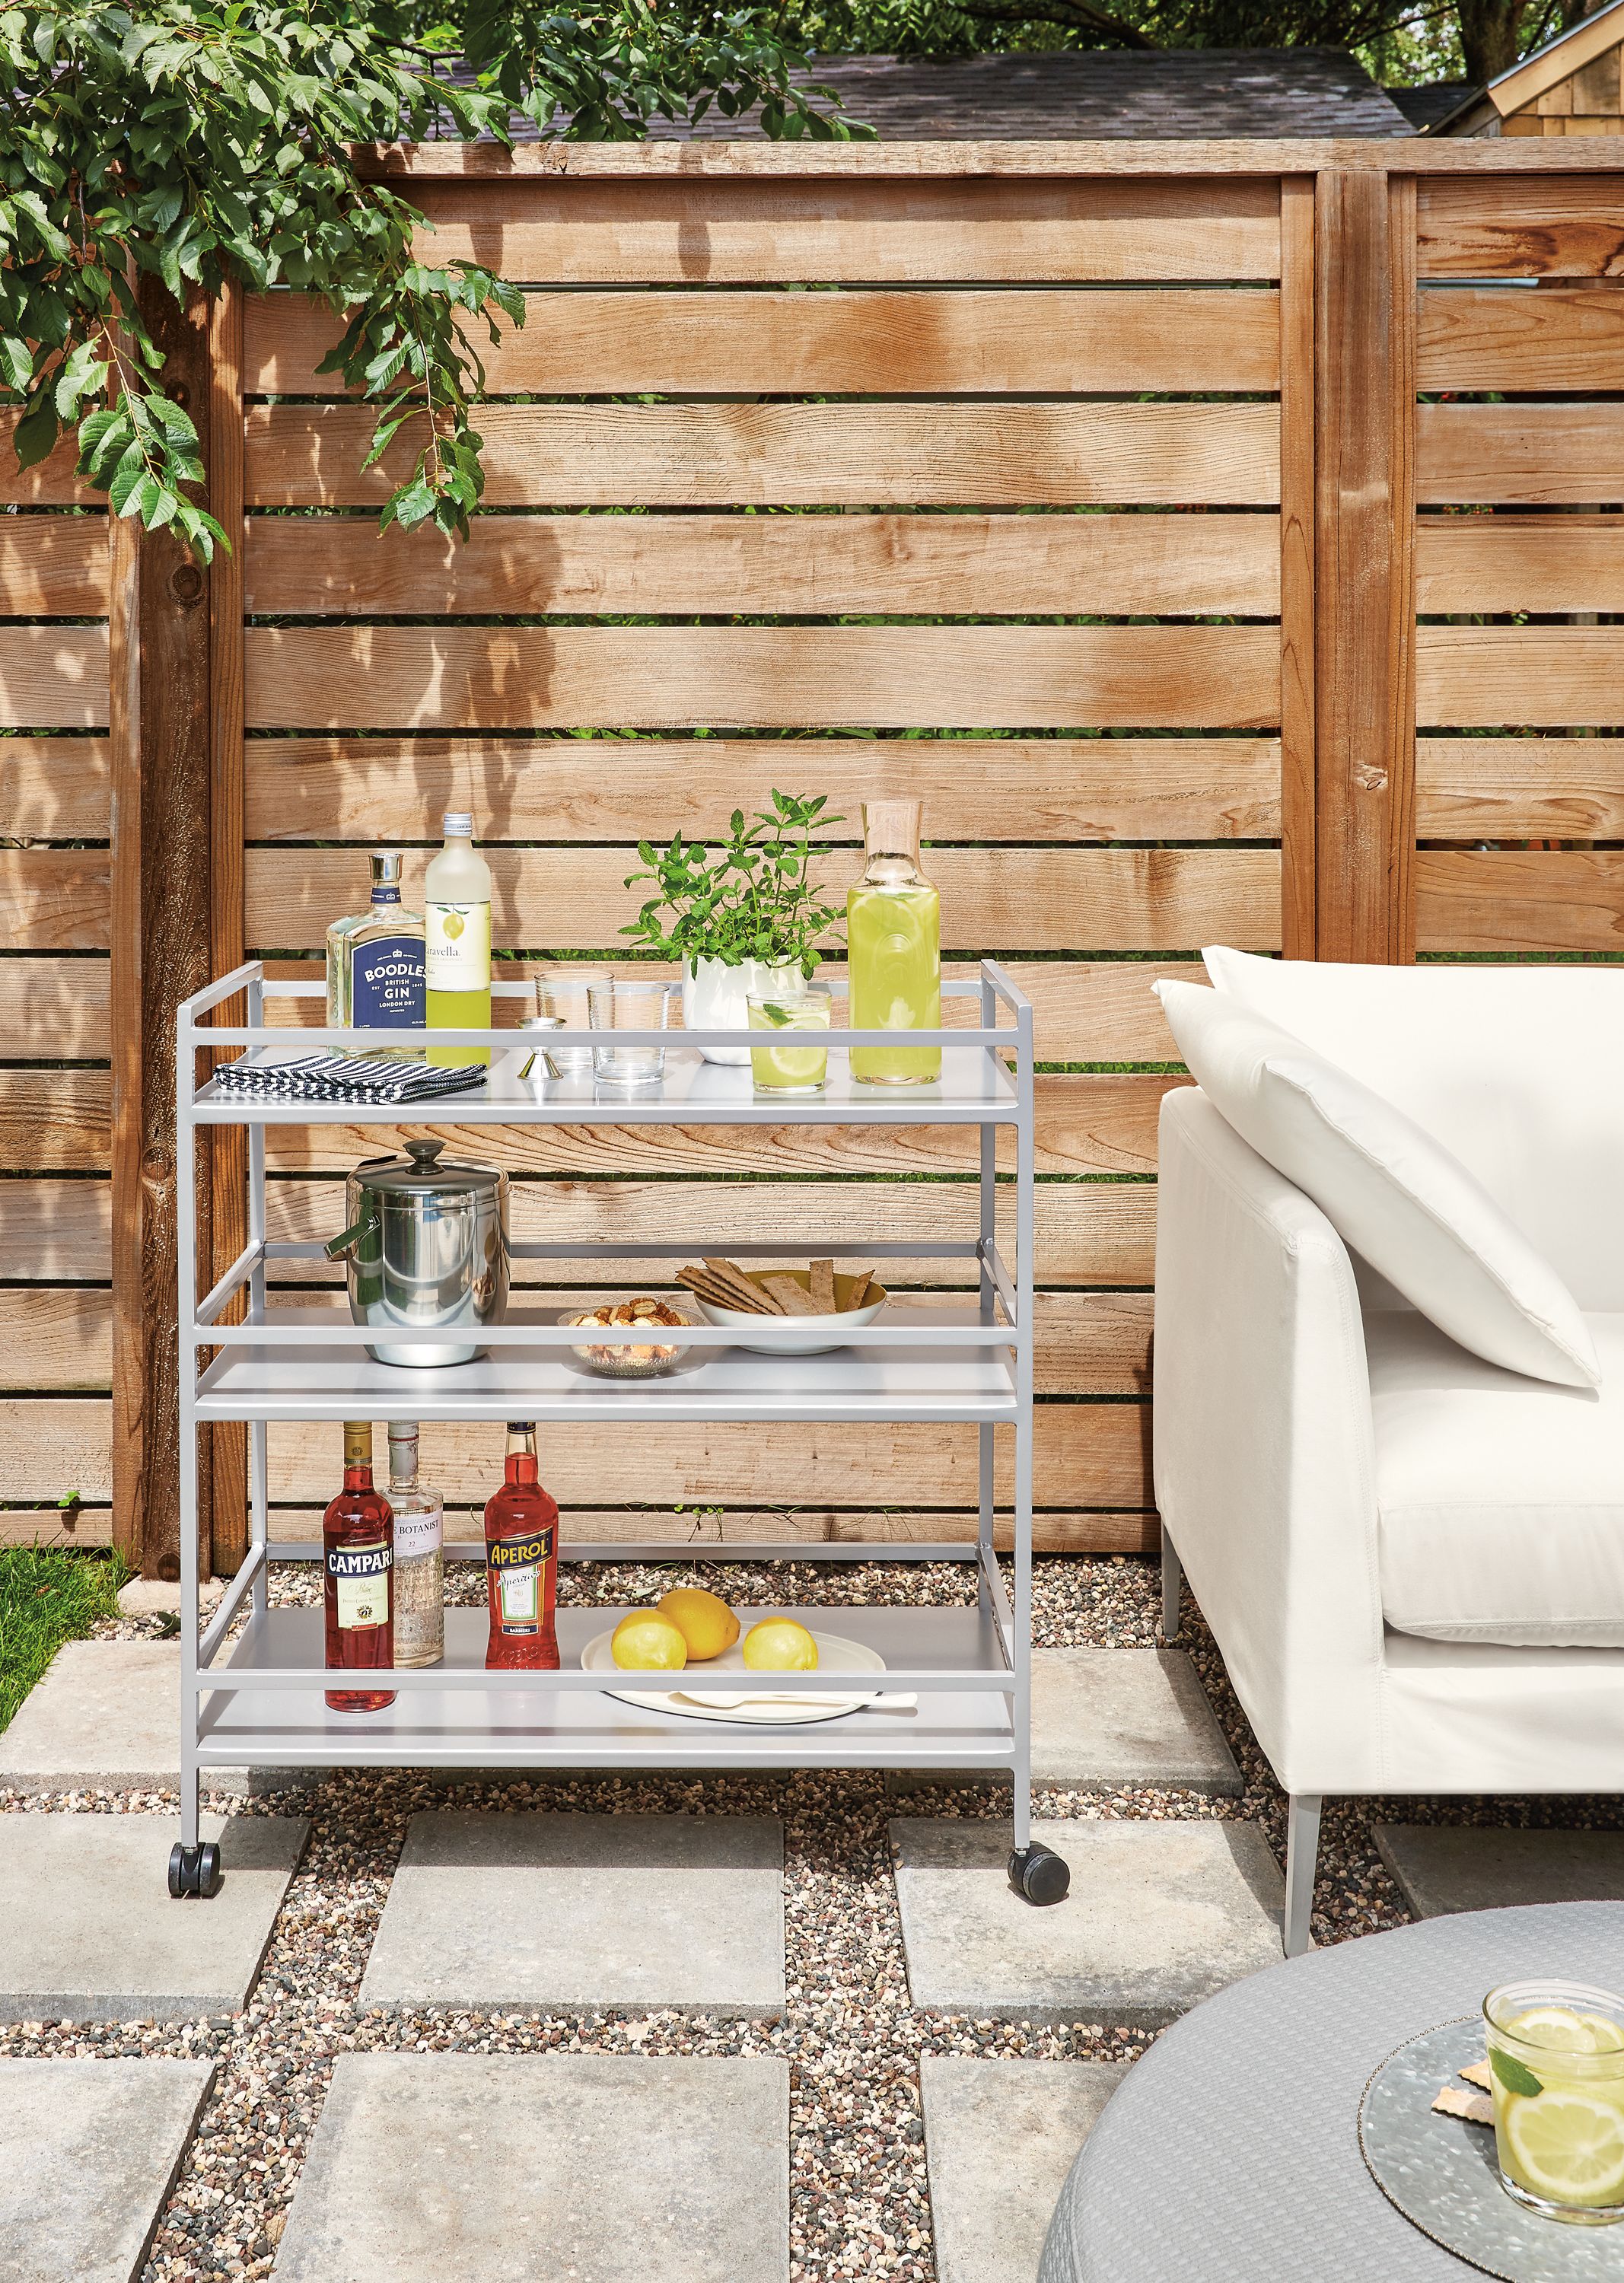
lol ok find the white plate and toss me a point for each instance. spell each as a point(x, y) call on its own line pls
point(795, 1335)
point(766, 1710)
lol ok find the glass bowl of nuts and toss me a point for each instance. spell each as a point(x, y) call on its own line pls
point(641, 1358)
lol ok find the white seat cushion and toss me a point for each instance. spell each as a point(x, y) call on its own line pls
point(1501, 1498)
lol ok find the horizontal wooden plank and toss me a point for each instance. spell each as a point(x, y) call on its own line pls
point(1083, 1011)
point(1481, 677)
point(53, 1448)
point(789, 677)
point(53, 565)
point(1504, 336)
point(1055, 1530)
point(1519, 901)
point(54, 899)
point(90, 1525)
point(53, 677)
point(1014, 900)
point(55, 1009)
point(54, 1121)
point(1093, 1125)
point(1519, 455)
point(1088, 1232)
point(1557, 225)
point(949, 455)
point(1520, 788)
point(51, 1231)
point(1526, 561)
point(721, 233)
point(63, 1339)
point(1192, 163)
point(50, 482)
point(817, 566)
point(1032, 789)
point(869, 343)
point(58, 788)
point(1095, 1455)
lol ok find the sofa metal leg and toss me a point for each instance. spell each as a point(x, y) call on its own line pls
point(1302, 1823)
point(1172, 1581)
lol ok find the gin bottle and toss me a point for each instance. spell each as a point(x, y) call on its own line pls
point(420, 1554)
point(376, 960)
point(521, 1564)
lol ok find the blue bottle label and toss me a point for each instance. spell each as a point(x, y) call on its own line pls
point(387, 983)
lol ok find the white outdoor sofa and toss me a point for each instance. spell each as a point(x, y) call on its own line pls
point(1412, 1560)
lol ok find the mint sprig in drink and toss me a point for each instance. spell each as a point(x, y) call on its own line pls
point(1556, 2055)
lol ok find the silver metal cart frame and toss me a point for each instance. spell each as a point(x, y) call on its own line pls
point(258, 1700)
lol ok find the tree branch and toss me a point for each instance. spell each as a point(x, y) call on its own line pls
point(1076, 15)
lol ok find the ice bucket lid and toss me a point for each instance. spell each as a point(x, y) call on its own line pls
point(419, 1173)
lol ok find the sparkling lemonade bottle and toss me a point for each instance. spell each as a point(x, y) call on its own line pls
point(457, 914)
point(893, 948)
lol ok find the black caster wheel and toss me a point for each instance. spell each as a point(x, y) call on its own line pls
point(194, 1870)
point(1038, 1874)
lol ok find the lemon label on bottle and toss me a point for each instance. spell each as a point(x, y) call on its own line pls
point(456, 954)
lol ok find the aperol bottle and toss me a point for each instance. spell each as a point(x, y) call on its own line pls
point(358, 1544)
point(521, 1564)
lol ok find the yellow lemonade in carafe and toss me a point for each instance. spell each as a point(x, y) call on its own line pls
point(893, 948)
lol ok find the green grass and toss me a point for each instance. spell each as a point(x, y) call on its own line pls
point(48, 1595)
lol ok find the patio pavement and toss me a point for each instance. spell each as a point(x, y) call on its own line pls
point(105, 1717)
point(1444, 1867)
point(989, 2217)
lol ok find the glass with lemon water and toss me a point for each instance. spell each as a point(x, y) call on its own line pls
point(789, 1065)
point(1556, 2054)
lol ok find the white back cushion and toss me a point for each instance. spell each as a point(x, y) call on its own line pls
point(1392, 1193)
point(1519, 1071)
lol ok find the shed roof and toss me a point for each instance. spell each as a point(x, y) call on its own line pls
point(1103, 92)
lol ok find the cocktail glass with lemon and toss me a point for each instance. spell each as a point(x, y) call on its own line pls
point(1556, 2054)
point(789, 1065)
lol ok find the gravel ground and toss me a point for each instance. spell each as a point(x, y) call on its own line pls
point(859, 2202)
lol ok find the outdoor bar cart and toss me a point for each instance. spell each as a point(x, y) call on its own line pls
point(253, 1694)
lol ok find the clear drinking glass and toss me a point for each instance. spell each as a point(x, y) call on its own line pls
point(786, 1067)
point(1556, 2054)
point(615, 1003)
point(561, 990)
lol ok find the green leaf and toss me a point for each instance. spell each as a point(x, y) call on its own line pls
point(1512, 2074)
point(36, 435)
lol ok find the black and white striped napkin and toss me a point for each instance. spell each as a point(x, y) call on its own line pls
point(324, 1075)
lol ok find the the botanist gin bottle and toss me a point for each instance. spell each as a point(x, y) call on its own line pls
point(375, 961)
point(420, 1554)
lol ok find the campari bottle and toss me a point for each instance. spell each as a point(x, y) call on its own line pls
point(521, 1564)
point(358, 1543)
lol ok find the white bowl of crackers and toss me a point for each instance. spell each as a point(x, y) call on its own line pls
point(640, 1359)
point(790, 1311)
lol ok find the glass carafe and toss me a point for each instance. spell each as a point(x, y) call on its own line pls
point(893, 948)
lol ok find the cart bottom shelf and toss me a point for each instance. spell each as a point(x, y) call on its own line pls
point(505, 1727)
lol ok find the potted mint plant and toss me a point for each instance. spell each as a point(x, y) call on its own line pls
point(744, 916)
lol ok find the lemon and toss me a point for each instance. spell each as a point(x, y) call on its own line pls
point(1566, 2031)
point(644, 1641)
point(1567, 2145)
point(704, 1620)
point(779, 1645)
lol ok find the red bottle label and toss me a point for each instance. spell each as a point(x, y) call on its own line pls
point(516, 1566)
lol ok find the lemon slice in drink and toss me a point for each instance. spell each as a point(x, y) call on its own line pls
point(1565, 2031)
point(1568, 2144)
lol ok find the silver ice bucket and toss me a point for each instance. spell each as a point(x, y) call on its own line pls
point(426, 1247)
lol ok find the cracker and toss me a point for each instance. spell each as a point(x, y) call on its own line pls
point(822, 1281)
point(793, 1299)
point(752, 1295)
point(1475, 2108)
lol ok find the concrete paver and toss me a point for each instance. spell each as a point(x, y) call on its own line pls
point(1441, 1867)
point(990, 2216)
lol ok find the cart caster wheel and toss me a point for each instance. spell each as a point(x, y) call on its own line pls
point(1038, 1874)
point(194, 1870)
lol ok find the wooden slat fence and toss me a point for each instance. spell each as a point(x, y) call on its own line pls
point(1131, 505)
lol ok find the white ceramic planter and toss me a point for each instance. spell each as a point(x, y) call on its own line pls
point(713, 997)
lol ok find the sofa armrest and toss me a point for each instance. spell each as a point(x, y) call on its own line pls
point(1263, 1448)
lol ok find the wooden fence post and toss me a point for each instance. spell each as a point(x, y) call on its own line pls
point(160, 687)
point(1364, 566)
